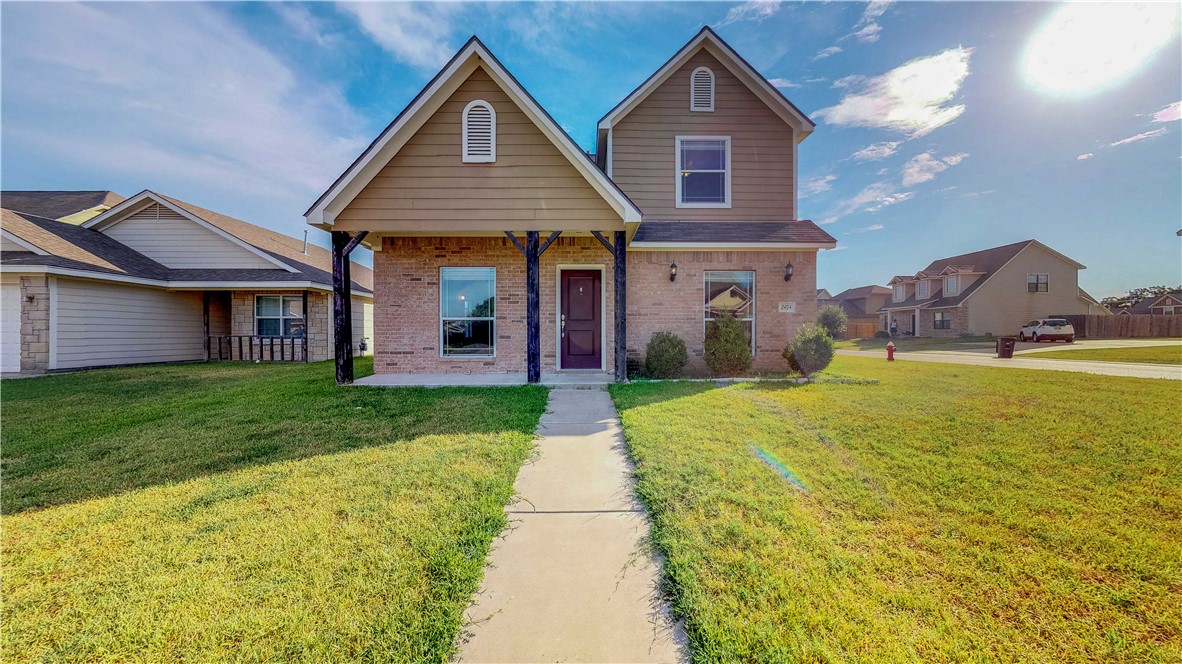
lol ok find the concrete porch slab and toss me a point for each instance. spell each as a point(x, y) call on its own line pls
point(588, 380)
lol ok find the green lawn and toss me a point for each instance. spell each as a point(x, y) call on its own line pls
point(948, 514)
point(919, 343)
point(1143, 354)
point(248, 512)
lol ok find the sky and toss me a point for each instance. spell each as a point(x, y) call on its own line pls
point(942, 127)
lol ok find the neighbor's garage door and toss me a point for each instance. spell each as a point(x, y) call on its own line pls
point(10, 328)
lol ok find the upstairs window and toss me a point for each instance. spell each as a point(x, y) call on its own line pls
point(952, 285)
point(900, 293)
point(1038, 283)
point(702, 90)
point(703, 171)
point(480, 133)
point(924, 290)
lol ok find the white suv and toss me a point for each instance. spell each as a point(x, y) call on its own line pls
point(1048, 329)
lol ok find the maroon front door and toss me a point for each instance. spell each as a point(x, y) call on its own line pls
point(581, 327)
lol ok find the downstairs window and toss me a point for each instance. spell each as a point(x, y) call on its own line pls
point(279, 316)
point(732, 293)
point(467, 311)
point(943, 321)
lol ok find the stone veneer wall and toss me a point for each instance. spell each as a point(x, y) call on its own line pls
point(927, 321)
point(34, 324)
point(319, 317)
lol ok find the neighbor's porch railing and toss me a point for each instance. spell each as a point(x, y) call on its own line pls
point(256, 348)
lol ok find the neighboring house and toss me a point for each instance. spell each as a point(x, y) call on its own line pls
point(1166, 304)
point(156, 279)
point(72, 207)
point(994, 291)
point(474, 193)
point(823, 297)
point(862, 304)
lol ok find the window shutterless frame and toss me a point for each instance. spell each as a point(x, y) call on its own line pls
point(283, 316)
point(1038, 282)
point(679, 177)
point(707, 318)
point(442, 320)
point(952, 285)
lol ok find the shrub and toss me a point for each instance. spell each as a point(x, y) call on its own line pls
point(832, 319)
point(728, 350)
point(882, 334)
point(665, 356)
point(810, 351)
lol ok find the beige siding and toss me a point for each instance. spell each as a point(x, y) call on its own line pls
point(1001, 305)
point(97, 324)
point(10, 325)
point(363, 324)
point(8, 245)
point(426, 186)
point(643, 145)
point(177, 242)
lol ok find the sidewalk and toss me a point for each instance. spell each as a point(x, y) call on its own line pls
point(1029, 361)
point(570, 580)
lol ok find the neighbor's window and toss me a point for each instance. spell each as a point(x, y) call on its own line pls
point(732, 293)
point(900, 293)
point(1038, 283)
point(952, 285)
point(924, 290)
point(467, 311)
point(943, 321)
point(279, 315)
point(703, 165)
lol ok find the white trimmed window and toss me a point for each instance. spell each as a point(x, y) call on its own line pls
point(731, 292)
point(279, 316)
point(479, 133)
point(702, 90)
point(467, 311)
point(952, 285)
point(942, 321)
point(923, 290)
point(1038, 283)
point(703, 171)
point(900, 293)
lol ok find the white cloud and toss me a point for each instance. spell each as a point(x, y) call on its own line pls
point(910, 99)
point(826, 52)
point(752, 10)
point(868, 34)
point(783, 83)
point(175, 96)
point(866, 229)
point(1139, 137)
point(891, 200)
point(305, 24)
point(877, 151)
point(924, 167)
point(816, 185)
point(1085, 156)
point(867, 28)
point(1171, 113)
point(871, 199)
point(874, 10)
point(849, 81)
point(417, 34)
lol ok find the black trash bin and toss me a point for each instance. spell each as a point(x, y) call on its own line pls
point(1005, 347)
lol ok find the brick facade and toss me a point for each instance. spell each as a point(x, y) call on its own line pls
point(319, 317)
point(34, 324)
point(960, 322)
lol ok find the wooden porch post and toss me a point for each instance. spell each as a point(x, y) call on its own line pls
point(205, 323)
point(621, 291)
point(306, 326)
point(342, 326)
point(533, 315)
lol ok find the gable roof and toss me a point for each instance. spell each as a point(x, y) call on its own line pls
point(473, 54)
point(729, 58)
point(74, 247)
point(57, 204)
point(1148, 303)
point(861, 292)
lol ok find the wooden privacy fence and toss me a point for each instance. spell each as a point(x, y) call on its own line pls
point(1127, 326)
point(254, 348)
point(861, 330)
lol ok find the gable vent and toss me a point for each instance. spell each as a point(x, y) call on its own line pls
point(480, 133)
point(702, 90)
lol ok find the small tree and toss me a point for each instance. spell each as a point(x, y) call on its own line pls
point(665, 356)
point(728, 349)
point(833, 320)
point(810, 351)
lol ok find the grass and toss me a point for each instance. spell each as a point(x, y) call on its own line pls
point(918, 343)
point(248, 512)
point(949, 513)
point(1141, 354)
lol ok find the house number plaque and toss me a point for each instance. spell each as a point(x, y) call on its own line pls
point(787, 307)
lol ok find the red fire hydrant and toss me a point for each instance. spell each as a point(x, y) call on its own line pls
point(890, 351)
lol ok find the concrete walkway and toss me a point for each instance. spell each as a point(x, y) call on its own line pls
point(1029, 361)
point(571, 581)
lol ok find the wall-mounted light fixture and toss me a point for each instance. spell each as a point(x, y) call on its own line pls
point(673, 272)
point(30, 298)
point(788, 273)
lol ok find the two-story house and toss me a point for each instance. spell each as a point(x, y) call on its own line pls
point(502, 247)
point(994, 291)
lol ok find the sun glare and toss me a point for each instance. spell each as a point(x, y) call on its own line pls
point(1085, 47)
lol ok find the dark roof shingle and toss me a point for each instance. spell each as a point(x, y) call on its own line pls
point(56, 204)
point(732, 232)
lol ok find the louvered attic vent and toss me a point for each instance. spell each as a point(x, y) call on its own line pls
point(702, 90)
point(480, 133)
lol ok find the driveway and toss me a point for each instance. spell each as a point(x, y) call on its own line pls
point(1029, 360)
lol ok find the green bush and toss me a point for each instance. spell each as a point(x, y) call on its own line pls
point(665, 356)
point(882, 334)
point(833, 320)
point(728, 349)
point(810, 351)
